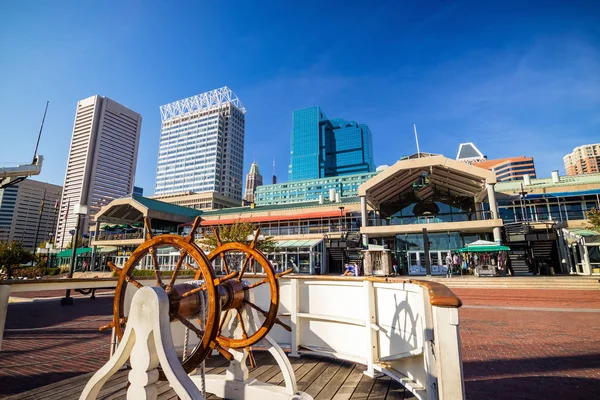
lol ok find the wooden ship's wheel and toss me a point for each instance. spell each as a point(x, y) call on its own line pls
point(203, 305)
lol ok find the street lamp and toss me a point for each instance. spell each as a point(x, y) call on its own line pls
point(341, 215)
point(79, 209)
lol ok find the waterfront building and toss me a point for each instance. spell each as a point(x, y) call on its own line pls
point(344, 186)
point(321, 147)
point(28, 212)
point(253, 180)
point(509, 169)
point(102, 161)
point(198, 201)
point(202, 145)
point(583, 160)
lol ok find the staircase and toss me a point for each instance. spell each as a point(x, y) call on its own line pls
point(518, 258)
point(336, 259)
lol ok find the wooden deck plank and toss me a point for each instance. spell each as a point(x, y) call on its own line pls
point(349, 385)
point(320, 377)
point(397, 391)
point(363, 388)
point(336, 382)
point(380, 388)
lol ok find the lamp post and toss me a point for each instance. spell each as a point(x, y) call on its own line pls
point(79, 209)
point(341, 216)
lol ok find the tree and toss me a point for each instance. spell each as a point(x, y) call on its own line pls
point(239, 231)
point(81, 242)
point(593, 217)
point(12, 254)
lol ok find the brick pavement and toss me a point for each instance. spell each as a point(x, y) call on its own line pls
point(512, 354)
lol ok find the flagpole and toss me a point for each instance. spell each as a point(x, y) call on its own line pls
point(417, 140)
point(62, 242)
point(37, 231)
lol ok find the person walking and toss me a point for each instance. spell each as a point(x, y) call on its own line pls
point(448, 265)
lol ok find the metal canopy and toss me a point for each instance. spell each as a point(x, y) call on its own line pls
point(439, 173)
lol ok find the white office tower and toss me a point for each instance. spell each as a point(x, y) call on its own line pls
point(202, 145)
point(102, 160)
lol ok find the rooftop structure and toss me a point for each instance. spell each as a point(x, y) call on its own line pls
point(469, 153)
point(253, 180)
point(198, 201)
point(202, 145)
point(583, 160)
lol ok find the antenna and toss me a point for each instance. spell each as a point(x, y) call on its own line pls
point(40, 134)
point(273, 165)
point(417, 140)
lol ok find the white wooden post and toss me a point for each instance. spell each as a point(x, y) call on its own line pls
point(429, 348)
point(294, 310)
point(371, 330)
point(448, 355)
point(4, 295)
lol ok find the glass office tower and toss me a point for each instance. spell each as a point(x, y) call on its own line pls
point(323, 147)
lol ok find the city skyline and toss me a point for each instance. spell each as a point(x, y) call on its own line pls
point(453, 69)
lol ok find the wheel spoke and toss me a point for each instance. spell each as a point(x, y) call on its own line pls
point(190, 266)
point(182, 256)
point(244, 266)
point(132, 280)
point(190, 237)
point(266, 280)
point(148, 228)
point(159, 281)
point(190, 326)
point(265, 314)
point(223, 318)
point(222, 350)
point(222, 254)
point(114, 267)
point(103, 328)
point(245, 337)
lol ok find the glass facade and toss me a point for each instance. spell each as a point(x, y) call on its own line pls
point(322, 147)
point(309, 190)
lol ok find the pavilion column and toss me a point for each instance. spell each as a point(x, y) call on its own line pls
point(94, 247)
point(364, 219)
point(494, 210)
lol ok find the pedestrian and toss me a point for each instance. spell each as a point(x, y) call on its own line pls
point(395, 267)
point(448, 265)
point(85, 265)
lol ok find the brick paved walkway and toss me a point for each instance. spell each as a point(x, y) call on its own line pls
point(516, 354)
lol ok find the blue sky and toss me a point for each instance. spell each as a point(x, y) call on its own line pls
point(516, 78)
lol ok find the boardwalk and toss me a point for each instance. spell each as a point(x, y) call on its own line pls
point(516, 343)
point(319, 377)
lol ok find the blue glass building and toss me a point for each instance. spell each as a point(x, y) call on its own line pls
point(321, 147)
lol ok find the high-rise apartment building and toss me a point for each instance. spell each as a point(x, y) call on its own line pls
point(321, 147)
point(28, 212)
point(583, 160)
point(102, 161)
point(509, 169)
point(202, 145)
point(253, 180)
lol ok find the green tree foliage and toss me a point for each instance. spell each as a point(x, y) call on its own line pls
point(239, 231)
point(12, 254)
point(593, 217)
point(81, 242)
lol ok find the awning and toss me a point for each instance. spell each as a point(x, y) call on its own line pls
point(273, 218)
point(482, 249)
point(297, 243)
point(79, 251)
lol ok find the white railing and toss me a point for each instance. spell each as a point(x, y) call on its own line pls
point(406, 329)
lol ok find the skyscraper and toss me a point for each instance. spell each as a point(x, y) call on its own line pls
point(583, 160)
point(322, 147)
point(28, 212)
point(102, 160)
point(253, 179)
point(202, 145)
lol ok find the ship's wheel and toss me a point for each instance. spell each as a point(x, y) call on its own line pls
point(235, 257)
point(204, 305)
point(195, 305)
